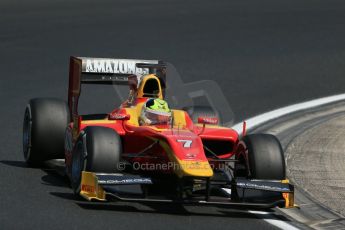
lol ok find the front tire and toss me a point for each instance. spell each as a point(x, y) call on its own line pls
point(263, 157)
point(98, 149)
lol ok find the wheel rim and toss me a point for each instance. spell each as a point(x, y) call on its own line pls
point(27, 135)
point(77, 167)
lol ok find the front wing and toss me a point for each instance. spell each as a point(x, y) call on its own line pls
point(100, 187)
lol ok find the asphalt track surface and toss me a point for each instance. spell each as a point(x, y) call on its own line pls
point(263, 54)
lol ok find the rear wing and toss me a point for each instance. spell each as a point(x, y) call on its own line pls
point(87, 70)
point(112, 71)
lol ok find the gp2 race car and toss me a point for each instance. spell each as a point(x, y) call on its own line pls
point(192, 160)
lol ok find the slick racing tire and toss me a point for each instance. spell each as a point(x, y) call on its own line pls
point(202, 111)
point(265, 157)
point(45, 122)
point(98, 149)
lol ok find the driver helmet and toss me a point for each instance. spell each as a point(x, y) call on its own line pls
point(155, 112)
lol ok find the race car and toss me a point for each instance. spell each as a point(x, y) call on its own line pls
point(189, 158)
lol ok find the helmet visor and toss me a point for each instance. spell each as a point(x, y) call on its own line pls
point(158, 117)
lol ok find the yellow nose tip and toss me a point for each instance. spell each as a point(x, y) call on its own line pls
point(194, 168)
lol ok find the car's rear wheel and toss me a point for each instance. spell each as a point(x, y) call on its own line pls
point(45, 122)
point(262, 158)
point(98, 149)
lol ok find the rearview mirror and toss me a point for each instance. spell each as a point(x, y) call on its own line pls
point(119, 116)
point(208, 120)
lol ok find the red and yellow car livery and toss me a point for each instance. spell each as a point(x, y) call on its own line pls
point(189, 162)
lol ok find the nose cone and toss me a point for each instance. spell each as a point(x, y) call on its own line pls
point(186, 153)
point(193, 168)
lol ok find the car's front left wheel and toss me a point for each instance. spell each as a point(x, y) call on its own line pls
point(261, 157)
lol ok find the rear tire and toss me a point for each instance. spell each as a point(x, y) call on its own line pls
point(98, 149)
point(45, 122)
point(265, 157)
point(201, 111)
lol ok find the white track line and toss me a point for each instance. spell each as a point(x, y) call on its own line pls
point(269, 218)
point(265, 117)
